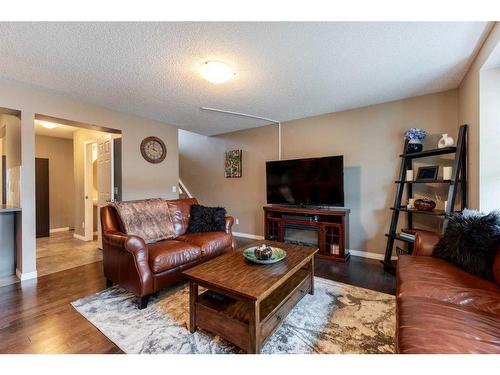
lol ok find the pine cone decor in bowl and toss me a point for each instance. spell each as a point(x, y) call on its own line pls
point(425, 204)
point(263, 252)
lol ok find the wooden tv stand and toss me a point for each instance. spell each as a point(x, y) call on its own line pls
point(330, 224)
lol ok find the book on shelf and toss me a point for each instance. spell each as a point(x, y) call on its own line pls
point(409, 231)
point(407, 236)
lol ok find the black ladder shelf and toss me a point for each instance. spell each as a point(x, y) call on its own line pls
point(458, 178)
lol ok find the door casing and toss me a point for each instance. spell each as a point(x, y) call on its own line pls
point(105, 183)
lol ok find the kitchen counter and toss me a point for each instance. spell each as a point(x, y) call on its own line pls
point(5, 208)
point(8, 216)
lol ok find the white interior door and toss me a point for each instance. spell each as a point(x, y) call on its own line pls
point(104, 177)
point(89, 183)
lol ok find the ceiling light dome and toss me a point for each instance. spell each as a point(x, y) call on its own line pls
point(47, 125)
point(217, 71)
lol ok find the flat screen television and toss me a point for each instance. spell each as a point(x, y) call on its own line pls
point(314, 181)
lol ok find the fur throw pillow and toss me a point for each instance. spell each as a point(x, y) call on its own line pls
point(470, 242)
point(149, 219)
point(207, 219)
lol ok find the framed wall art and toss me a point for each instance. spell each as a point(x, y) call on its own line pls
point(428, 173)
point(232, 163)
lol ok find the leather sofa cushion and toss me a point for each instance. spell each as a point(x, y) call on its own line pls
point(180, 210)
point(423, 276)
point(434, 327)
point(168, 254)
point(211, 243)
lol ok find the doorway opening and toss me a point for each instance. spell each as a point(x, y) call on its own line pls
point(75, 174)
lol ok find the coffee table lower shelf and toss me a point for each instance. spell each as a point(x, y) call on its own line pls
point(244, 322)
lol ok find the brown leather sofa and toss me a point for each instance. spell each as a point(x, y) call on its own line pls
point(443, 309)
point(144, 269)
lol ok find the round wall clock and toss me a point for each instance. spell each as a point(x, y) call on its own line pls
point(153, 149)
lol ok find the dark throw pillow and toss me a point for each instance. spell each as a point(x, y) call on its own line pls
point(470, 242)
point(207, 219)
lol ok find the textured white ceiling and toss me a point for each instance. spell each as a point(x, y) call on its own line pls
point(285, 70)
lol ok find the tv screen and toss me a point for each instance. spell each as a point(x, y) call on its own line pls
point(315, 181)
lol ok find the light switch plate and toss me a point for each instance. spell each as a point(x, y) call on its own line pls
point(237, 221)
point(174, 189)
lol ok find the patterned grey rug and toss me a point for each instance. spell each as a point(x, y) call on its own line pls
point(338, 318)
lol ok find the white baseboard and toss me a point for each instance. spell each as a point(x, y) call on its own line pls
point(26, 276)
point(358, 253)
point(247, 235)
point(367, 254)
point(55, 230)
point(78, 237)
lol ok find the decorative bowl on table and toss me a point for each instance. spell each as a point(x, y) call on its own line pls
point(264, 254)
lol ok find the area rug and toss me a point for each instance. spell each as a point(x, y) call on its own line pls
point(338, 318)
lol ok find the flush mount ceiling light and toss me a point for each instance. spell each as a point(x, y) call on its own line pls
point(47, 125)
point(217, 71)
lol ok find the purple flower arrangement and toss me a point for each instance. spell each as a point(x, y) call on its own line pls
point(415, 133)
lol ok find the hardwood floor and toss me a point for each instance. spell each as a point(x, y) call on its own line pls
point(36, 316)
point(362, 272)
point(61, 251)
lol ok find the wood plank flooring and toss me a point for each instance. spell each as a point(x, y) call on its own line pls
point(36, 316)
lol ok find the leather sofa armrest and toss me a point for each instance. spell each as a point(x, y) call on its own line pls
point(425, 241)
point(116, 239)
point(136, 247)
point(132, 244)
point(229, 224)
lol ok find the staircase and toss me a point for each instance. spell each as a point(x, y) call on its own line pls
point(183, 191)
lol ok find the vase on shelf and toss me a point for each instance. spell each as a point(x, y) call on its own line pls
point(445, 141)
point(414, 145)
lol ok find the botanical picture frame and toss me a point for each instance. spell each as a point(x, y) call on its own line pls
point(233, 163)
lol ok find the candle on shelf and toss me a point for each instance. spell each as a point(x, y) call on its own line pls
point(411, 203)
point(409, 175)
point(447, 173)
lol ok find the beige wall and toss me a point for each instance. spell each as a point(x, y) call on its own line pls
point(468, 112)
point(59, 151)
point(140, 179)
point(370, 139)
point(202, 171)
point(489, 153)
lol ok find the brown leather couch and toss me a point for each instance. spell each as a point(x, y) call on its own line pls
point(144, 269)
point(443, 309)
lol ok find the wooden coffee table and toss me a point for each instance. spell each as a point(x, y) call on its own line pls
point(246, 302)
